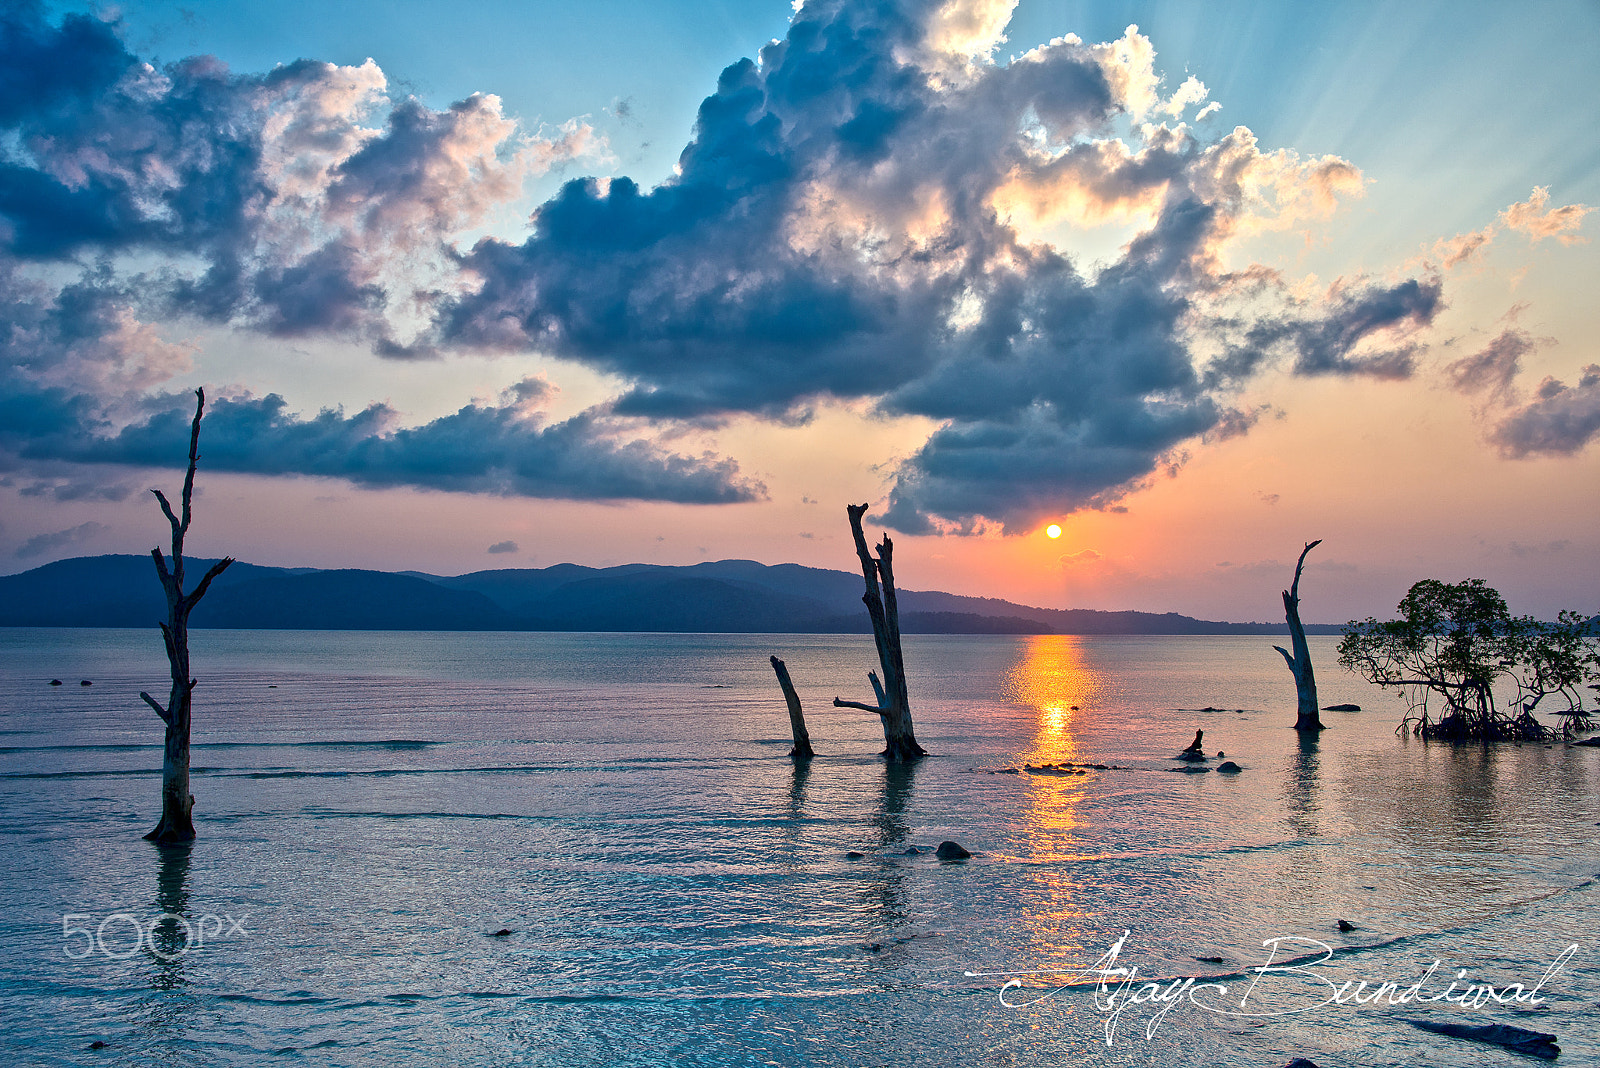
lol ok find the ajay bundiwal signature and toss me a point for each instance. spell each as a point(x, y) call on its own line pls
point(1294, 978)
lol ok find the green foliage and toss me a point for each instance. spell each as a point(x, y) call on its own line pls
point(1459, 644)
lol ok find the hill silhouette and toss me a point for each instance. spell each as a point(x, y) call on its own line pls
point(724, 595)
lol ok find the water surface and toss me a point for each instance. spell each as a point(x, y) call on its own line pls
point(373, 807)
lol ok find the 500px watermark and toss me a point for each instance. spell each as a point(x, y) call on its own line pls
point(166, 935)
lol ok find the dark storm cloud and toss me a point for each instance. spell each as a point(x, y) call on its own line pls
point(301, 216)
point(75, 364)
point(479, 449)
point(115, 154)
point(862, 213)
point(834, 229)
point(296, 212)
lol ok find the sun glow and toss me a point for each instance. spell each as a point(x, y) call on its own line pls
point(1052, 531)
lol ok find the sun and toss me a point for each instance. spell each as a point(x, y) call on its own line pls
point(1052, 531)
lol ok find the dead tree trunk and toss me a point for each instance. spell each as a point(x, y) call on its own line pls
point(797, 718)
point(177, 804)
point(894, 706)
point(1305, 680)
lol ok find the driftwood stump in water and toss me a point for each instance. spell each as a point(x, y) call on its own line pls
point(893, 707)
point(177, 804)
point(1305, 680)
point(797, 719)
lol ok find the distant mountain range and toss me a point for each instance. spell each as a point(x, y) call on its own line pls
point(739, 596)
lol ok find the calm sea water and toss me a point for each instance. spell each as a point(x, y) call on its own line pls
point(373, 808)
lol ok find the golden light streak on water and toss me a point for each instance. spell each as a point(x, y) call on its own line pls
point(1051, 679)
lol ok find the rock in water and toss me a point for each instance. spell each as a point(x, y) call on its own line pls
point(55, 682)
point(1228, 767)
point(1346, 926)
point(951, 851)
point(504, 932)
point(1516, 1039)
point(1341, 708)
point(1301, 1062)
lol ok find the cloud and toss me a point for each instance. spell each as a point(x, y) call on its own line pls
point(1463, 248)
point(1560, 420)
point(40, 544)
point(503, 547)
point(1359, 330)
point(499, 450)
point(858, 218)
point(76, 489)
point(871, 210)
point(1493, 370)
point(1535, 218)
point(301, 200)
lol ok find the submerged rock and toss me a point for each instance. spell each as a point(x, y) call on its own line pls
point(1192, 769)
point(951, 851)
point(55, 682)
point(1516, 1039)
point(1345, 926)
point(504, 932)
point(1301, 1062)
point(1341, 708)
point(1228, 767)
point(854, 854)
point(85, 682)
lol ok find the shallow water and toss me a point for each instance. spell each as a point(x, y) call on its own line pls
point(373, 807)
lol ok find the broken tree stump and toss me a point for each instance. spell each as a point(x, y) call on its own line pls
point(1305, 680)
point(894, 706)
point(797, 718)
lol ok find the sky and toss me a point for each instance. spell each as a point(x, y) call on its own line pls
point(513, 284)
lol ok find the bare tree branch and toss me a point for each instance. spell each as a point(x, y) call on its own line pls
point(194, 455)
point(200, 591)
point(166, 717)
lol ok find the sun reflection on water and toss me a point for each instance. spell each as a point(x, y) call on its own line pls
point(1051, 680)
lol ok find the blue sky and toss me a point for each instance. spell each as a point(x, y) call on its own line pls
point(1355, 346)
